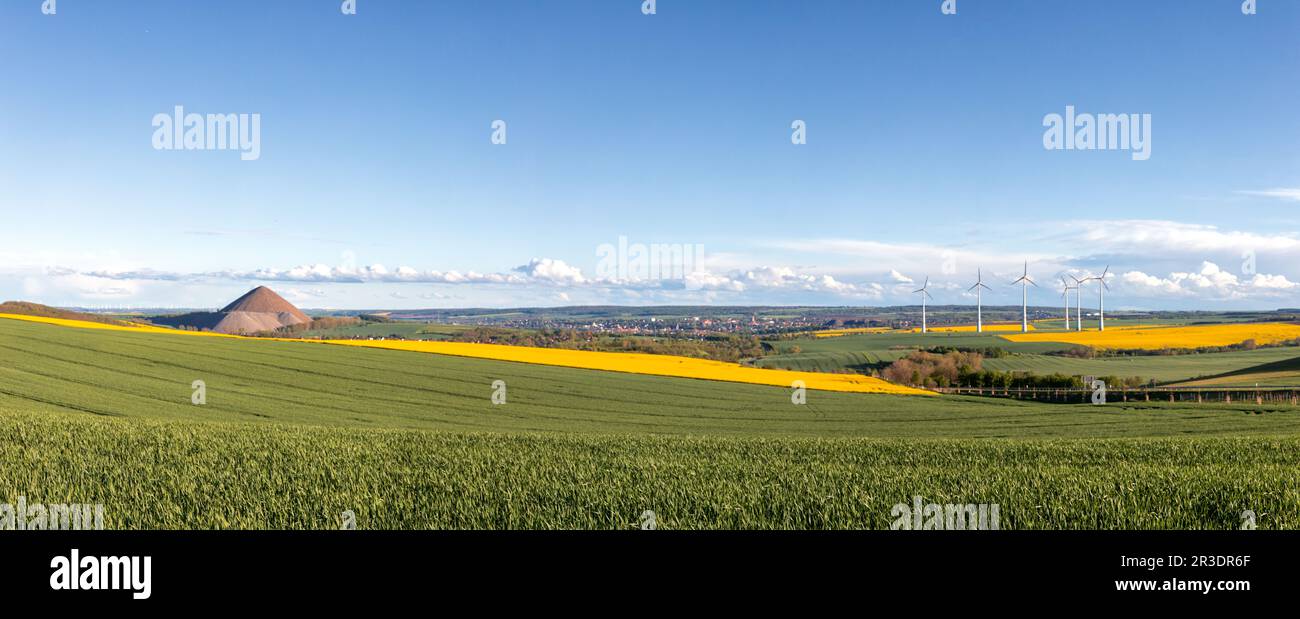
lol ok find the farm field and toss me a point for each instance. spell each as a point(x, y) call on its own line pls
point(863, 352)
point(173, 474)
point(293, 433)
point(896, 341)
point(140, 375)
point(1281, 373)
point(860, 352)
point(1160, 368)
point(830, 360)
point(408, 330)
point(1157, 337)
point(654, 365)
point(988, 328)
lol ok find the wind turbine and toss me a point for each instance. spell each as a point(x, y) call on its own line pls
point(1101, 299)
point(1078, 301)
point(979, 305)
point(1024, 282)
point(1066, 294)
point(924, 293)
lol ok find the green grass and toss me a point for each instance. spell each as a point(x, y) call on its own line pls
point(831, 360)
point(1161, 368)
point(176, 475)
point(1282, 373)
point(295, 433)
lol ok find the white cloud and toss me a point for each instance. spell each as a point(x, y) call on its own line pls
point(304, 294)
point(1210, 282)
point(551, 270)
point(66, 283)
point(787, 278)
point(1292, 194)
point(1139, 238)
point(899, 277)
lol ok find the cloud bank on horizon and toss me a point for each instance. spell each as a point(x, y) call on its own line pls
point(1154, 264)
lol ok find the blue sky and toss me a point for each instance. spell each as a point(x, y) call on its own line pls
point(378, 185)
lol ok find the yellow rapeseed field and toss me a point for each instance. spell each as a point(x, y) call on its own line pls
point(634, 363)
point(1156, 337)
point(638, 363)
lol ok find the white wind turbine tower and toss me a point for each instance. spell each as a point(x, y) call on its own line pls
point(979, 304)
point(1101, 299)
point(1067, 287)
point(924, 293)
point(1078, 301)
point(1024, 282)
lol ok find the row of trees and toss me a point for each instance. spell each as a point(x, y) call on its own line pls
point(958, 368)
point(927, 369)
point(316, 324)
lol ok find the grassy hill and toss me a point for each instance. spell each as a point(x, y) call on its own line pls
point(1161, 368)
point(149, 376)
point(24, 308)
point(1281, 373)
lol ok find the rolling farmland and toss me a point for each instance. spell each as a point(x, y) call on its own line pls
point(293, 433)
point(862, 352)
point(1160, 368)
point(1281, 373)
